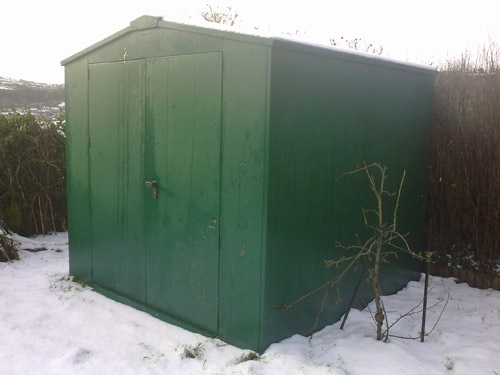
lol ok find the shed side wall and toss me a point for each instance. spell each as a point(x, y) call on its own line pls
point(327, 116)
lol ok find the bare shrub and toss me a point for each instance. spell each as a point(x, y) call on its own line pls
point(223, 16)
point(357, 44)
point(379, 248)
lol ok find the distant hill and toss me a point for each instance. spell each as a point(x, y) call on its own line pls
point(39, 98)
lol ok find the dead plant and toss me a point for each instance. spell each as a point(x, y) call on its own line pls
point(384, 242)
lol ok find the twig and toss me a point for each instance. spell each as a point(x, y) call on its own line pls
point(433, 327)
point(395, 216)
point(320, 311)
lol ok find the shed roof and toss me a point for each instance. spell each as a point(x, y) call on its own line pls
point(151, 22)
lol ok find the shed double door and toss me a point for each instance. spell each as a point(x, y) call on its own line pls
point(157, 120)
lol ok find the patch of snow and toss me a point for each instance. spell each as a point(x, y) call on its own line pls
point(49, 324)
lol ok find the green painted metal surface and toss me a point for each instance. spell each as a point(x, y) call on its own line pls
point(157, 120)
point(327, 116)
point(244, 138)
point(77, 174)
point(245, 106)
point(183, 130)
point(116, 130)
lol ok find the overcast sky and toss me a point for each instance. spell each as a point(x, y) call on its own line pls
point(36, 35)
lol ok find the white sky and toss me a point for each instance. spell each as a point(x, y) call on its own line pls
point(36, 35)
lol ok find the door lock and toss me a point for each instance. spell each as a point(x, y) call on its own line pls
point(152, 185)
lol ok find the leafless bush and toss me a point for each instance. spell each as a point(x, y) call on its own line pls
point(384, 243)
point(357, 44)
point(223, 16)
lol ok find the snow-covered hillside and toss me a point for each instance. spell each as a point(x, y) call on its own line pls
point(41, 99)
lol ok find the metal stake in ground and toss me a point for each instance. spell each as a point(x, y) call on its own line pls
point(349, 306)
point(426, 285)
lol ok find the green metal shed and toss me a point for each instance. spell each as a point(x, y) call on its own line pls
point(202, 170)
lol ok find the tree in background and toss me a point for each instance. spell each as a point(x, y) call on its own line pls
point(357, 44)
point(227, 16)
point(223, 16)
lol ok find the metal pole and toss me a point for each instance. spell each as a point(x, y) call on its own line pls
point(426, 286)
point(353, 296)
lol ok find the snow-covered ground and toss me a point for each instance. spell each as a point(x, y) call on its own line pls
point(52, 325)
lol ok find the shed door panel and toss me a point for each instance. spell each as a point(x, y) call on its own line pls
point(116, 128)
point(183, 131)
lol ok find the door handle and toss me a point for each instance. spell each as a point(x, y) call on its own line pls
point(152, 185)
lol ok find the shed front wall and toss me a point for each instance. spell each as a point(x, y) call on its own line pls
point(77, 175)
point(92, 183)
point(329, 114)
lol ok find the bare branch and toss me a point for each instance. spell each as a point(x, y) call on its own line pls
point(395, 214)
point(433, 327)
point(320, 311)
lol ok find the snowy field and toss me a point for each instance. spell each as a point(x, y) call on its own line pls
point(51, 325)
